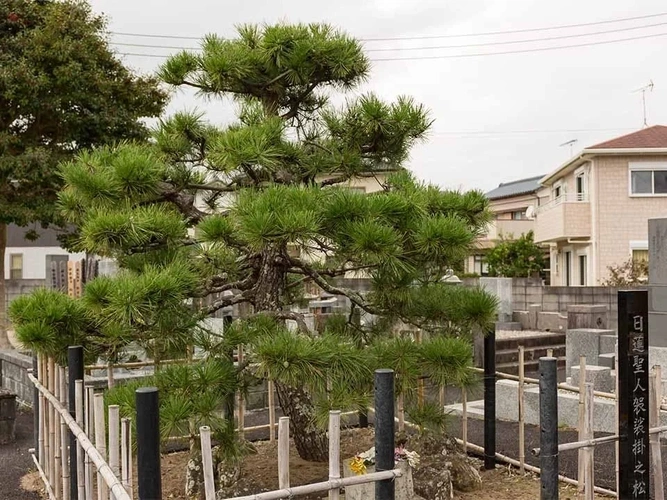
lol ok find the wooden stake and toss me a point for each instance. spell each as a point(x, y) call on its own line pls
point(42, 409)
point(420, 382)
point(90, 431)
point(126, 454)
point(49, 436)
point(522, 435)
point(589, 474)
point(464, 419)
point(441, 396)
point(114, 441)
point(582, 380)
point(64, 436)
point(57, 473)
point(100, 442)
point(78, 401)
point(241, 399)
point(655, 397)
point(207, 461)
point(334, 452)
point(272, 412)
point(110, 377)
point(401, 413)
point(550, 353)
point(283, 452)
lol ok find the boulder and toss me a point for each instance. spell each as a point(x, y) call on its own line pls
point(465, 476)
point(433, 484)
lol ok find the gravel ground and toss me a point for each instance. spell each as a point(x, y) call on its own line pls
point(15, 461)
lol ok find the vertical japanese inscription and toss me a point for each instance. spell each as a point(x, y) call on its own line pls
point(633, 394)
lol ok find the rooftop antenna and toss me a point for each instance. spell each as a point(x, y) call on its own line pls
point(643, 90)
point(569, 143)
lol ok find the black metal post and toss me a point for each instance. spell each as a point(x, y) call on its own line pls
point(384, 431)
point(490, 400)
point(74, 373)
point(148, 444)
point(635, 467)
point(549, 428)
point(35, 410)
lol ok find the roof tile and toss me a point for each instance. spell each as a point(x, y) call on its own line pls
point(651, 137)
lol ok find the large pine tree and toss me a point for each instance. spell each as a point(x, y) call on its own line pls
point(250, 212)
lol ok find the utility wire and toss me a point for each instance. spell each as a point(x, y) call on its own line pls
point(427, 37)
point(483, 44)
point(459, 56)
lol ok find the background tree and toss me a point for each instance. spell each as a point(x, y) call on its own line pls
point(520, 258)
point(61, 90)
point(211, 217)
point(633, 272)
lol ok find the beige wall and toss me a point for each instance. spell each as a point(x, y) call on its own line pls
point(621, 218)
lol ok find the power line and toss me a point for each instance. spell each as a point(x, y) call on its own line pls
point(427, 37)
point(483, 44)
point(484, 134)
point(459, 56)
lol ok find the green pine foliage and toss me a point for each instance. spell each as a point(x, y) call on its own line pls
point(207, 217)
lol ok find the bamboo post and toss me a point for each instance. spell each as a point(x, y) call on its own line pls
point(57, 473)
point(114, 441)
point(589, 474)
point(441, 396)
point(464, 419)
point(550, 353)
point(40, 437)
point(207, 461)
point(241, 399)
point(420, 382)
point(126, 454)
point(580, 428)
point(334, 452)
point(100, 442)
point(48, 423)
point(522, 435)
point(283, 452)
point(655, 397)
point(401, 413)
point(78, 402)
point(64, 436)
point(272, 412)
point(89, 428)
point(110, 377)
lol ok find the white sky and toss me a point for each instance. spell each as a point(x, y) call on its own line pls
point(497, 118)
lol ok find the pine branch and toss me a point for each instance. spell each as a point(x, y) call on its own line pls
point(286, 315)
point(228, 301)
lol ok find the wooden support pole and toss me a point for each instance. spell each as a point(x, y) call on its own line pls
point(420, 382)
point(283, 452)
point(126, 455)
point(78, 402)
point(522, 435)
point(57, 472)
point(64, 437)
point(655, 398)
point(100, 442)
point(110, 378)
point(207, 462)
point(90, 431)
point(272, 412)
point(441, 396)
point(49, 436)
point(241, 399)
point(580, 427)
point(464, 418)
point(114, 441)
point(401, 413)
point(334, 452)
point(589, 471)
point(42, 410)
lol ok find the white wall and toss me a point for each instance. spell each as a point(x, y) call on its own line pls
point(34, 260)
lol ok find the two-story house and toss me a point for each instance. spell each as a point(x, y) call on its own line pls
point(513, 205)
point(594, 209)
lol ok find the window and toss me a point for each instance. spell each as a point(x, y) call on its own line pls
point(581, 185)
point(16, 266)
point(519, 215)
point(558, 190)
point(583, 271)
point(480, 266)
point(648, 181)
point(639, 255)
point(568, 268)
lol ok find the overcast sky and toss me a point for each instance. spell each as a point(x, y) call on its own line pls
point(497, 118)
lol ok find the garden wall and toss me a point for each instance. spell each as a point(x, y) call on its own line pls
point(14, 375)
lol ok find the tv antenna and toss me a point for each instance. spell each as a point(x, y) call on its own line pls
point(569, 143)
point(643, 90)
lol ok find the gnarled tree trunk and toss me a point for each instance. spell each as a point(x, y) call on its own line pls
point(311, 443)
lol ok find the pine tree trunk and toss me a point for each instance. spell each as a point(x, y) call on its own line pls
point(311, 443)
point(4, 339)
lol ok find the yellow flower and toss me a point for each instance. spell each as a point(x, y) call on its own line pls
point(358, 466)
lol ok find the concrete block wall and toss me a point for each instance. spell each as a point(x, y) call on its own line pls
point(14, 375)
point(16, 288)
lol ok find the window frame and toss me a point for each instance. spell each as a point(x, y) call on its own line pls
point(646, 166)
point(11, 267)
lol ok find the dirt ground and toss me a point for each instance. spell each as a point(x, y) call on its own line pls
point(15, 461)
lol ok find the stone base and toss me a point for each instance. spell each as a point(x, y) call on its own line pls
point(404, 486)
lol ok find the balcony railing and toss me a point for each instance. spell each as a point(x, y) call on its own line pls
point(568, 216)
point(563, 198)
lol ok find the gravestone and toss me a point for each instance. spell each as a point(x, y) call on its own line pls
point(7, 416)
point(501, 288)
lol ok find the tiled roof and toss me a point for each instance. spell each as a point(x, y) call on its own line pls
point(515, 188)
point(650, 137)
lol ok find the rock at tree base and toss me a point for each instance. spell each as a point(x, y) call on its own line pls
point(465, 476)
point(433, 484)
